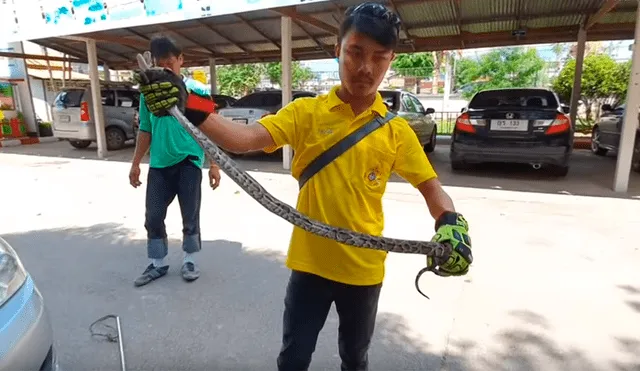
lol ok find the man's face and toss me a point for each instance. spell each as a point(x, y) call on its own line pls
point(363, 63)
point(173, 63)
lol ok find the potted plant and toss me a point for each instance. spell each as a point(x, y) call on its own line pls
point(6, 127)
point(45, 129)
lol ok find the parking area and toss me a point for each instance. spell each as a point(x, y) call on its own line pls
point(590, 175)
point(554, 284)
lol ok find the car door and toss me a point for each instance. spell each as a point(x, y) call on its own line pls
point(427, 123)
point(127, 104)
point(609, 128)
point(411, 114)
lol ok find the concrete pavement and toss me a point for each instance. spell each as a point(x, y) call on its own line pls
point(555, 284)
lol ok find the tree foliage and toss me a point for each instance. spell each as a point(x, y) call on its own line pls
point(416, 65)
point(603, 80)
point(501, 68)
point(299, 74)
point(239, 79)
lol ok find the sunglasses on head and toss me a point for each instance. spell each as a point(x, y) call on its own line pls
point(376, 10)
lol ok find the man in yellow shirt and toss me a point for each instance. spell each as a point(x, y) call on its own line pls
point(345, 193)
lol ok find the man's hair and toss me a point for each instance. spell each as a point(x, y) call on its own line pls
point(373, 20)
point(164, 47)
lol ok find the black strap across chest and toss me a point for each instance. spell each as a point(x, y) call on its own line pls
point(342, 146)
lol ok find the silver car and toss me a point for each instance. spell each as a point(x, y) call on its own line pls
point(73, 115)
point(409, 107)
point(250, 108)
point(26, 334)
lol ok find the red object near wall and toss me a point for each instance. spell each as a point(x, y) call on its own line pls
point(18, 130)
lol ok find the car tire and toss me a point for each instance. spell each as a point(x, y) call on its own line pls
point(559, 170)
point(115, 138)
point(80, 144)
point(635, 159)
point(595, 140)
point(431, 146)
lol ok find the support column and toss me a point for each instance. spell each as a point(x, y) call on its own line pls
point(96, 97)
point(213, 77)
point(577, 80)
point(630, 120)
point(287, 153)
point(107, 73)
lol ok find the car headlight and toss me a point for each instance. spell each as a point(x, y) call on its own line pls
point(12, 273)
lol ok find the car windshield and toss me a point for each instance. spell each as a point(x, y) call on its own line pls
point(531, 98)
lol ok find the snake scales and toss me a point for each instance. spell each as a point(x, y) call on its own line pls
point(293, 216)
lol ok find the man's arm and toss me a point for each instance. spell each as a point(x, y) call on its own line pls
point(438, 201)
point(143, 141)
point(236, 138)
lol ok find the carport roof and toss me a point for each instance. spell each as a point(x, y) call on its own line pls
point(426, 25)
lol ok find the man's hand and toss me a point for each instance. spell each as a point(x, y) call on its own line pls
point(452, 228)
point(164, 89)
point(134, 176)
point(214, 176)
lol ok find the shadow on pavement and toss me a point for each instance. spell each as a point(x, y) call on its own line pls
point(229, 319)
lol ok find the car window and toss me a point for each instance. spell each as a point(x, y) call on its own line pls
point(418, 104)
point(269, 100)
point(69, 98)
point(408, 104)
point(108, 98)
point(251, 100)
point(390, 98)
point(303, 95)
point(514, 98)
point(128, 98)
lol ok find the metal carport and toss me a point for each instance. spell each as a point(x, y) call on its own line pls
point(308, 31)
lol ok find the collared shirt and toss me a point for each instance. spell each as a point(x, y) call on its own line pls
point(170, 142)
point(348, 192)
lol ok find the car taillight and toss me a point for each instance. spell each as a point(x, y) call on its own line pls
point(463, 123)
point(84, 112)
point(561, 124)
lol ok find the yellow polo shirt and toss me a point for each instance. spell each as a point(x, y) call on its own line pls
point(348, 192)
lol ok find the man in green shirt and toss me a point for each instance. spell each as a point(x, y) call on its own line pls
point(175, 169)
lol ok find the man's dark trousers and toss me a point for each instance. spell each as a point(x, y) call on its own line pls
point(183, 180)
point(307, 303)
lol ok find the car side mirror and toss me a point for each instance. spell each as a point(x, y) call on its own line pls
point(566, 109)
point(430, 111)
point(607, 107)
point(463, 109)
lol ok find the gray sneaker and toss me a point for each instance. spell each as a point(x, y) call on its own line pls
point(151, 274)
point(190, 271)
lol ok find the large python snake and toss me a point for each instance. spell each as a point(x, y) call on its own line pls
point(434, 249)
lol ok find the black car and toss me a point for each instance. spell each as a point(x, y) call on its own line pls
point(523, 125)
point(223, 101)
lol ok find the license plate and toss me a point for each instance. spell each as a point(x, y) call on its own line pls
point(240, 121)
point(510, 125)
point(64, 118)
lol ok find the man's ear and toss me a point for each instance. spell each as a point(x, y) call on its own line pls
point(336, 50)
point(393, 56)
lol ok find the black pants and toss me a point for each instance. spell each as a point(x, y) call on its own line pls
point(307, 303)
point(184, 180)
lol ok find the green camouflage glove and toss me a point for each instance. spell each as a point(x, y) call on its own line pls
point(162, 90)
point(452, 228)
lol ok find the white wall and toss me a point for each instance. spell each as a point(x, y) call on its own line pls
point(454, 104)
point(40, 104)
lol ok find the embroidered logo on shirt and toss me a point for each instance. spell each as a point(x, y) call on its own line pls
point(372, 177)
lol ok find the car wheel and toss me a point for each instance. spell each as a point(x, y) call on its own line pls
point(559, 170)
point(115, 138)
point(431, 146)
point(595, 142)
point(80, 144)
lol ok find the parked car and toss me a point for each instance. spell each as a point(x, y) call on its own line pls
point(605, 135)
point(250, 108)
point(515, 125)
point(26, 333)
point(409, 107)
point(223, 101)
point(73, 115)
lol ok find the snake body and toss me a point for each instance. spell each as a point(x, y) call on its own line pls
point(293, 216)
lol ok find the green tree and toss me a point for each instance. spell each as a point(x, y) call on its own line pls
point(603, 80)
point(239, 79)
point(299, 74)
point(501, 68)
point(416, 65)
